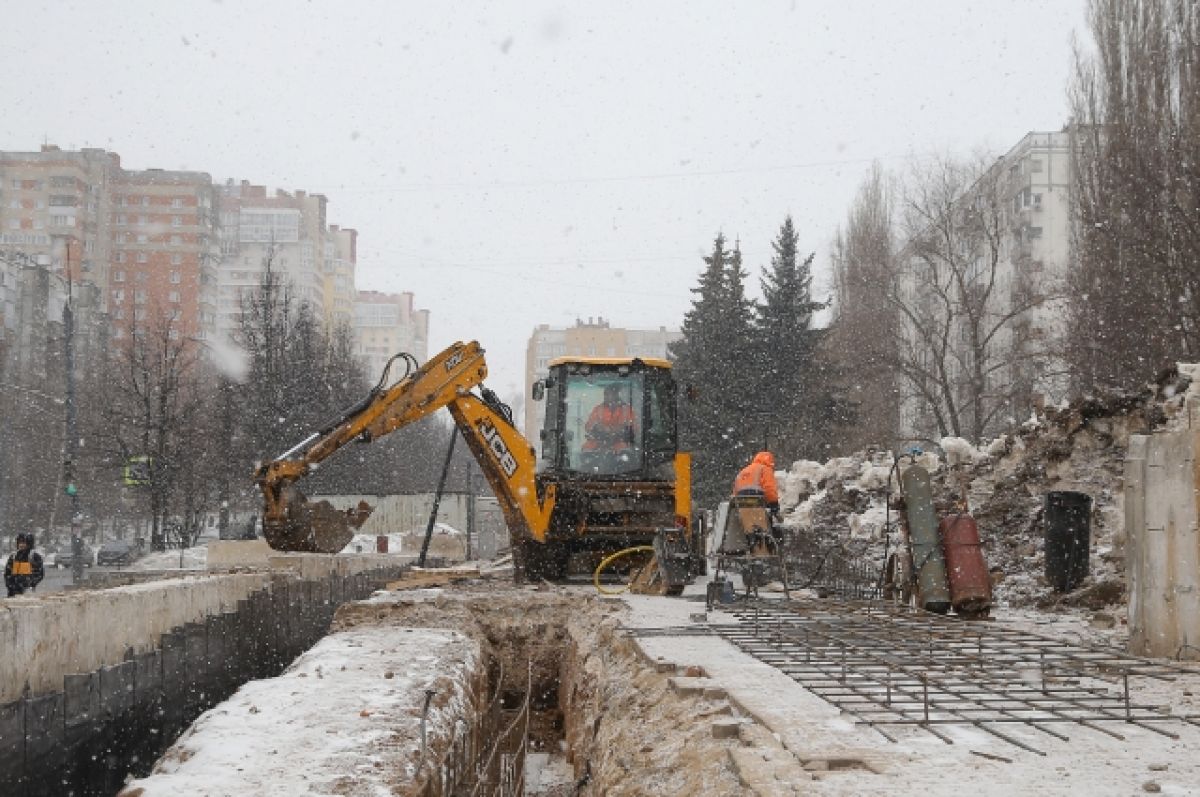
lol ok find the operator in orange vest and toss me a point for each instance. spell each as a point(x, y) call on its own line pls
point(609, 427)
point(758, 478)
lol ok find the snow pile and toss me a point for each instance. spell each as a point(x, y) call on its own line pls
point(1079, 447)
point(195, 558)
point(344, 718)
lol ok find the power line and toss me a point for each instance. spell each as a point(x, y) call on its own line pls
point(647, 177)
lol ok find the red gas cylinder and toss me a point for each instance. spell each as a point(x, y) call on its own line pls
point(966, 570)
point(381, 543)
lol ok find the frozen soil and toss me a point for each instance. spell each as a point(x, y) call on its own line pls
point(623, 728)
point(844, 503)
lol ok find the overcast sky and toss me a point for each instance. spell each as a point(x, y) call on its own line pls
point(518, 163)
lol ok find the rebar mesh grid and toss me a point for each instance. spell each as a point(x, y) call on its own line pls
point(826, 564)
point(889, 666)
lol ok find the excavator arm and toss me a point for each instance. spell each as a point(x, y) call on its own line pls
point(291, 523)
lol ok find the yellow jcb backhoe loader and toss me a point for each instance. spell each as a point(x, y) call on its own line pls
point(591, 492)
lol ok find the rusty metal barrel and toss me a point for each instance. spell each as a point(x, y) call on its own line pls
point(932, 592)
point(966, 569)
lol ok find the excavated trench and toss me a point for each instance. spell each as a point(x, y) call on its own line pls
point(560, 683)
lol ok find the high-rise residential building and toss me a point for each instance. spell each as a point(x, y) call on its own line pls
point(386, 324)
point(157, 246)
point(1026, 196)
point(163, 268)
point(282, 230)
point(341, 259)
point(146, 239)
point(595, 337)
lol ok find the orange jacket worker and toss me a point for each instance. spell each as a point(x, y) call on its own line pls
point(758, 478)
point(610, 425)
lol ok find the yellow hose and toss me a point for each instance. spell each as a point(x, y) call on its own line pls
point(606, 561)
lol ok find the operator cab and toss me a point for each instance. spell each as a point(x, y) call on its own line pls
point(608, 418)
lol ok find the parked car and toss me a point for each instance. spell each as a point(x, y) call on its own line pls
point(64, 557)
point(116, 552)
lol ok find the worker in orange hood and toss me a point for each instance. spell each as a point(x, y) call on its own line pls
point(758, 478)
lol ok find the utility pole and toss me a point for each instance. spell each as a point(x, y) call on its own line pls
point(72, 448)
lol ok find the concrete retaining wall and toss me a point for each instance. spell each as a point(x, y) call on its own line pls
point(98, 724)
point(1162, 480)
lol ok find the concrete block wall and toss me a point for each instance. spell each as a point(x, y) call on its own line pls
point(97, 725)
point(46, 637)
point(1162, 491)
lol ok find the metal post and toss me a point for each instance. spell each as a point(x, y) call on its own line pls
point(437, 499)
point(470, 507)
point(72, 448)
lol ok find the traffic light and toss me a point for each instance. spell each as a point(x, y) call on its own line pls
point(69, 486)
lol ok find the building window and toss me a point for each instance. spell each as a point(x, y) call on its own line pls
point(142, 258)
point(176, 240)
point(142, 238)
point(122, 218)
point(40, 204)
point(173, 334)
point(177, 202)
point(176, 259)
point(175, 278)
point(139, 297)
point(177, 221)
point(173, 297)
point(145, 201)
point(119, 333)
point(38, 223)
point(140, 276)
point(119, 276)
point(1035, 232)
point(139, 314)
point(1035, 165)
point(119, 295)
point(119, 314)
point(119, 257)
point(62, 221)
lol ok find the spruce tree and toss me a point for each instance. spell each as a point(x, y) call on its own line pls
point(795, 387)
point(710, 362)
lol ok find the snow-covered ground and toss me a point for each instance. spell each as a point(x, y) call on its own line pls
point(1091, 763)
point(343, 719)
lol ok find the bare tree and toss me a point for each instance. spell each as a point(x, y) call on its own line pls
point(957, 291)
point(864, 331)
point(159, 406)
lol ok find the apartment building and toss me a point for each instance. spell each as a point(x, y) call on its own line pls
point(386, 324)
point(595, 337)
point(145, 239)
point(341, 261)
point(1026, 197)
point(168, 249)
point(162, 274)
point(284, 230)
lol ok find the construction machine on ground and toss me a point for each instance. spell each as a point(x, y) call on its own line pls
point(592, 492)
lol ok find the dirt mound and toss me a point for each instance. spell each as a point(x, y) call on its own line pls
point(1080, 447)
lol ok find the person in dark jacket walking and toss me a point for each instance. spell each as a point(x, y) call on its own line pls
point(24, 569)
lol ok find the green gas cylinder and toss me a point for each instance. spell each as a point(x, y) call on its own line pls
point(933, 594)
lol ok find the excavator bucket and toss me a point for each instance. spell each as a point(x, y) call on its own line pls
point(667, 572)
point(314, 526)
